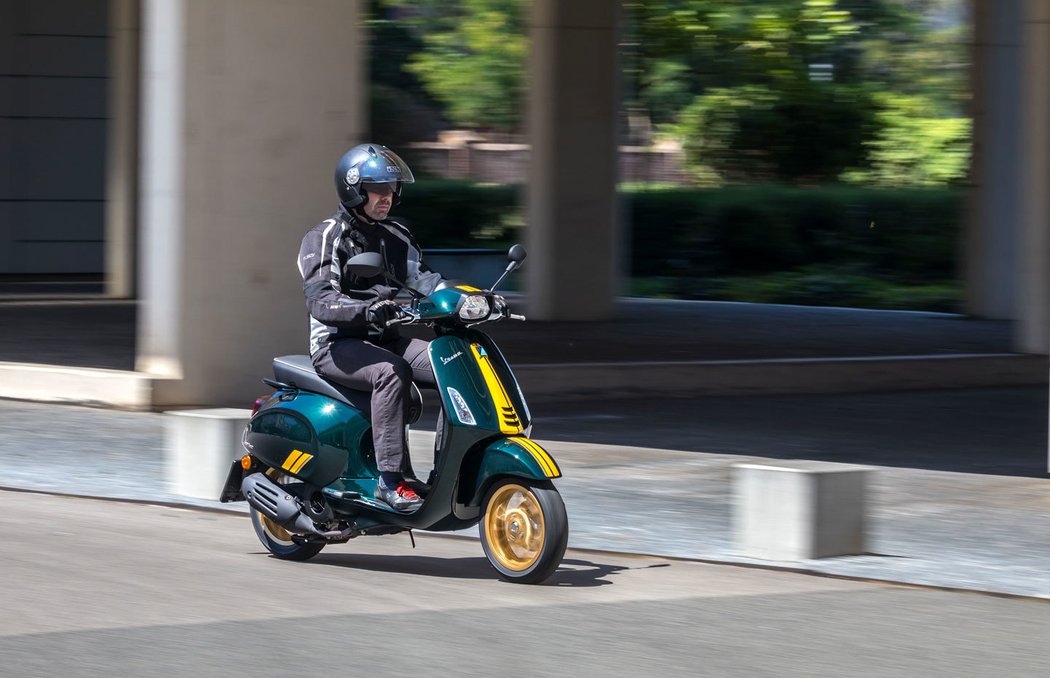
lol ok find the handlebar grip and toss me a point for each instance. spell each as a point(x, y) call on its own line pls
point(515, 316)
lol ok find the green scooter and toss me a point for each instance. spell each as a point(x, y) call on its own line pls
point(309, 471)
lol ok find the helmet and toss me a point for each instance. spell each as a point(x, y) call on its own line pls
point(365, 164)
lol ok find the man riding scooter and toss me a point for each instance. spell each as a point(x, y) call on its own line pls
point(352, 340)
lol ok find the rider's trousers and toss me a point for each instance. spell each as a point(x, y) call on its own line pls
point(387, 370)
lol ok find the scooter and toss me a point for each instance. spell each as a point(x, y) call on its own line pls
point(309, 471)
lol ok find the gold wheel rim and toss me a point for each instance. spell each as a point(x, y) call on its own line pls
point(514, 527)
point(275, 531)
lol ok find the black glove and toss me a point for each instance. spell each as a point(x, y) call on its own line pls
point(382, 312)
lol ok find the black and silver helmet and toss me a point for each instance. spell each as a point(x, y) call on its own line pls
point(369, 164)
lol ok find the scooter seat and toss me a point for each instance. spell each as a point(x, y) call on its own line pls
point(298, 371)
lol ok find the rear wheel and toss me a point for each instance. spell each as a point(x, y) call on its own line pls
point(275, 538)
point(524, 529)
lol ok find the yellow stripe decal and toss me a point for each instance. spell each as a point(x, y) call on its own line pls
point(508, 418)
point(555, 471)
point(541, 455)
point(467, 288)
point(290, 461)
point(302, 462)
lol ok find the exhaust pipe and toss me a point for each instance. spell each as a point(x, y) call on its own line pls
point(284, 508)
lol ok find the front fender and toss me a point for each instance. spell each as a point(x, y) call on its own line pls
point(512, 456)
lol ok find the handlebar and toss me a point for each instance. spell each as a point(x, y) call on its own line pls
point(409, 316)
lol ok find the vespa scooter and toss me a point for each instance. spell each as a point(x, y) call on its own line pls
point(309, 471)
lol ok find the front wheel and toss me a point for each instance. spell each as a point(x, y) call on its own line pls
point(278, 540)
point(524, 529)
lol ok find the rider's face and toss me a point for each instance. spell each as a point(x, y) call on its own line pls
point(380, 200)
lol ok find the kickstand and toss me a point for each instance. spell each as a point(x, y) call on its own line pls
point(412, 537)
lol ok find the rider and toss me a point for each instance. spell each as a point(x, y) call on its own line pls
point(351, 339)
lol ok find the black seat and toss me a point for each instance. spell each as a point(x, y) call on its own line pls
point(298, 371)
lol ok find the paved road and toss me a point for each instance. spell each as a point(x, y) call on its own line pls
point(101, 588)
point(655, 489)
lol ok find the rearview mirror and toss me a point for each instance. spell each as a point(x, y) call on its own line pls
point(517, 254)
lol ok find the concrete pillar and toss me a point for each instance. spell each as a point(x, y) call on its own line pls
point(572, 270)
point(991, 253)
point(122, 148)
point(247, 106)
point(1033, 332)
point(1033, 289)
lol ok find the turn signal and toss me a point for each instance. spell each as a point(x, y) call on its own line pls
point(246, 462)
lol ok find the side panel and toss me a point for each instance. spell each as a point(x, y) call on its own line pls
point(307, 435)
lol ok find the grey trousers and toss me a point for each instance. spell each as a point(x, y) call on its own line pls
point(387, 370)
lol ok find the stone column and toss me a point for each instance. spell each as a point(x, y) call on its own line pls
point(122, 148)
point(573, 271)
point(1033, 299)
point(247, 106)
point(991, 254)
point(1033, 330)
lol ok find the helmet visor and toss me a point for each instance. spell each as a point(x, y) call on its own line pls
point(383, 165)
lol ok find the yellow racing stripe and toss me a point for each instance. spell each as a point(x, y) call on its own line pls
point(290, 461)
point(505, 413)
point(302, 462)
point(543, 458)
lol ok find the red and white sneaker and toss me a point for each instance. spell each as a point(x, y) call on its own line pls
point(401, 498)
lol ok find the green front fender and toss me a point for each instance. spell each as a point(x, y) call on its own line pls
point(510, 456)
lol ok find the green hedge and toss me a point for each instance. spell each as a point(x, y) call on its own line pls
point(460, 214)
point(904, 236)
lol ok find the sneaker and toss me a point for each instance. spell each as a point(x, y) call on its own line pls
point(401, 498)
point(417, 485)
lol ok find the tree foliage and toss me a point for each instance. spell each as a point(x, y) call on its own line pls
point(801, 91)
point(472, 58)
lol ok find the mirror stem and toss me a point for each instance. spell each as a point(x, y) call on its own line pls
point(510, 267)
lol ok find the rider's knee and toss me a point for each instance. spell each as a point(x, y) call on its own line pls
point(394, 374)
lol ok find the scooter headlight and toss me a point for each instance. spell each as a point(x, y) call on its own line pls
point(475, 307)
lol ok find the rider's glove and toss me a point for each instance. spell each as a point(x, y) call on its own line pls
point(382, 312)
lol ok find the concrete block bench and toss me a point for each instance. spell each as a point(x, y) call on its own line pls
point(199, 448)
point(799, 510)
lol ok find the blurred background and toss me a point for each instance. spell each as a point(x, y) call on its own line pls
point(784, 151)
point(875, 154)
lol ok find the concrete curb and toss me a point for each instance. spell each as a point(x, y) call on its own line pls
point(76, 385)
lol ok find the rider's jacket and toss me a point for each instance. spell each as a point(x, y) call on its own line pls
point(336, 298)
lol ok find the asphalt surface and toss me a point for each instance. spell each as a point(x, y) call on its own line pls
point(96, 588)
point(958, 493)
point(971, 511)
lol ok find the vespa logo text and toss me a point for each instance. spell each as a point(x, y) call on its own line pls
point(446, 361)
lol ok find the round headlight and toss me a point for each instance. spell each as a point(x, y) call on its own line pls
point(475, 307)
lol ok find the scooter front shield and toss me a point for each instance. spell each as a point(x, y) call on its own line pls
point(477, 386)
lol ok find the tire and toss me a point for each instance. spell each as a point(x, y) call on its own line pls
point(524, 529)
point(276, 539)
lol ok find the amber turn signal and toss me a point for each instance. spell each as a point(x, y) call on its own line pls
point(246, 462)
